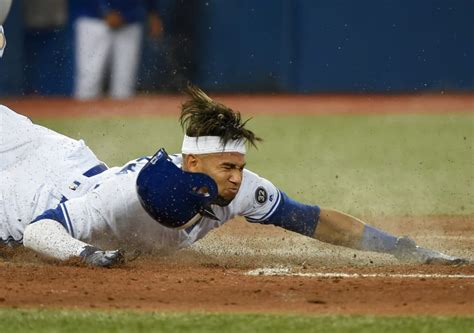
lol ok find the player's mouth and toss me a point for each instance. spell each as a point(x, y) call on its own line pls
point(226, 197)
point(232, 191)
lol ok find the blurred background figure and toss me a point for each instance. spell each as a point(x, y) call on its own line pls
point(108, 38)
point(168, 65)
point(276, 46)
point(4, 9)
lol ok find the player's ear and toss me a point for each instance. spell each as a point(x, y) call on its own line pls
point(190, 162)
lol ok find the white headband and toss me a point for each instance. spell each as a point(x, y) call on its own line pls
point(211, 144)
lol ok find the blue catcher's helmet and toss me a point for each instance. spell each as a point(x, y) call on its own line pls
point(173, 197)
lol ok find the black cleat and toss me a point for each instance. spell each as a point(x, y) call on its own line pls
point(96, 257)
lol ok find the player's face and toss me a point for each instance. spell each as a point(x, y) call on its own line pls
point(225, 168)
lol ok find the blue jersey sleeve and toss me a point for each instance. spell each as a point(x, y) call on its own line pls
point(293, 216)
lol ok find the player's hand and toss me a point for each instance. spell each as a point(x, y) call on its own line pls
point(406, 250)
point(114, 19)
point(96, 257)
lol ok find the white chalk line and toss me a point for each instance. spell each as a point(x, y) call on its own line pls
point(445, 237)
point(287, 272)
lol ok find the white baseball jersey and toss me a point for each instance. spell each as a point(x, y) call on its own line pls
point(42, 170)
point(111, 215)
point(38, 168)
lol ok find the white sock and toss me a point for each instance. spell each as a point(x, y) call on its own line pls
point(51, 239)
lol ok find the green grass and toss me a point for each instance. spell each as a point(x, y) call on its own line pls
point(37, 321)
point(365, 165)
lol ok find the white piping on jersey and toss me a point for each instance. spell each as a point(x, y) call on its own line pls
point(66, 217)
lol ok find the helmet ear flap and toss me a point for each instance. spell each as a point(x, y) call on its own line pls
point(173, 197)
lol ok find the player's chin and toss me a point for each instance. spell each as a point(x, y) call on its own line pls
point(225, 198)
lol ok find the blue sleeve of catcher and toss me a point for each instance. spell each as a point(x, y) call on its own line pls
point(294, 216)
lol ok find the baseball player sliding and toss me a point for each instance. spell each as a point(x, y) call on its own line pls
point(58, 199)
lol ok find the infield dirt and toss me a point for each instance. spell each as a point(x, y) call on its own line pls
point(211, 277)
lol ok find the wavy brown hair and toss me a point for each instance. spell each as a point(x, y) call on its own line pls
point(201, 116)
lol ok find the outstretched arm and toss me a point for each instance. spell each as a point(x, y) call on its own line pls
point(341, 229)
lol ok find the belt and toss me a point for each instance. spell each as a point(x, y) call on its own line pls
point(94, 171)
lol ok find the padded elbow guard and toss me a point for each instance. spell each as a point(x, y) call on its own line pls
point(294, 216)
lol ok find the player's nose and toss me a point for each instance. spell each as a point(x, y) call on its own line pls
point(236, 177)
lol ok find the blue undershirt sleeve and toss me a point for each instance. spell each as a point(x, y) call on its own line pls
point(294, 216)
